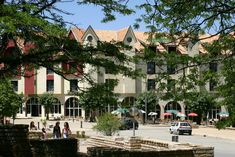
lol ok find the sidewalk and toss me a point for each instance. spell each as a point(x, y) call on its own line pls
point(75, 125)
point(86, 126)
point(213, 132)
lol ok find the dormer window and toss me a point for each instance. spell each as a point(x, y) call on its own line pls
point(90, 38)
point(129, 39)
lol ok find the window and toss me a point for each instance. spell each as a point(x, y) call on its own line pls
point(212, 85)
point(171, 49)
point(14, 85)
point(213, 68)
point(151, 68)
point(49, 71)
point(129, 39)
point(151, 84)
point(56, 108)
point(153, 48)
point(171, 68)
point(109, 70)
point(50, 85)
point(90, 38)
point(73, 85)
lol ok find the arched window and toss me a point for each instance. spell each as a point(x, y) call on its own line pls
point(72, 108)
point(56, 108)
point(173, 106)
point(33, 107)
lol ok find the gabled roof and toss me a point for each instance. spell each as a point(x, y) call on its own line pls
point(141, 38)
point(90, 30)
point(77, 33)
point(106, 35)
point(121, 34)
point(131, 32)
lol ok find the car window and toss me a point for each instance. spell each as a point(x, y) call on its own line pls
point(184, 124)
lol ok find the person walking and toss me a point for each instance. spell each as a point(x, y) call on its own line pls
point(56, 130)
point(32, 126)
point(66, 130)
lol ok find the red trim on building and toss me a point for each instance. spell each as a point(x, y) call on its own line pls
point(29, 82)
point(50, 77)
point(29, 86)
point(68, 66)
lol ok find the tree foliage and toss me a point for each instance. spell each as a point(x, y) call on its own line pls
point(38, 29)
point(39, 24)
point(186, 20)
point(99, 96)
point(107, 124)
point(10, 102)
point(227, 90)
point(47, 100)
point(148, 98)
point(201, 102)
point(186, 16)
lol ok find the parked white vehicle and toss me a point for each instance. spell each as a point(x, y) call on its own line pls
point(171, 127)
point(181, 128)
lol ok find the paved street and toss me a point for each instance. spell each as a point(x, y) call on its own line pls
point(223, 147)
point(222, 140)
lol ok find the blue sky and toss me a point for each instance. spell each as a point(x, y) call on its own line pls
point(86, 15)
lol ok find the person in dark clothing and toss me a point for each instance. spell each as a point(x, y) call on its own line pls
point(56, 130)
point(32, 126)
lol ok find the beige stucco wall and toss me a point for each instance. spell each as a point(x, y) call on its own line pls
point(57, 84)
point(41, 81)
point(66, 86)
point(21, 85)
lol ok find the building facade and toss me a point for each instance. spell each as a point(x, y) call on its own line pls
point(67, 104)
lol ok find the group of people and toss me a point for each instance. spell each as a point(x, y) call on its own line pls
point(56, 130)
point(65, 131)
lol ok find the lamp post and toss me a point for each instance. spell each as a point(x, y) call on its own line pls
point(133, 112)
point(146, 108)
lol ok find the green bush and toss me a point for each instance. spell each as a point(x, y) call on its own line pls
point(222, 124)
point(107, 124)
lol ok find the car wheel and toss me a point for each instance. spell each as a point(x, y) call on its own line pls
point(190, 133)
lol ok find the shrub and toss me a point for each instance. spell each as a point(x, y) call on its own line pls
point(107, 124)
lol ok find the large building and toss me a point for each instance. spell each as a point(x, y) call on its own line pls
point(128, 89)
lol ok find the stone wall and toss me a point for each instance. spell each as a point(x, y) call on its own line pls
point(54, 147)
point(14, 141)
point(118, 152)
point(138, 147)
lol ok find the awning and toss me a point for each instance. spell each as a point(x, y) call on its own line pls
point(172, 111)
point(152, 114)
